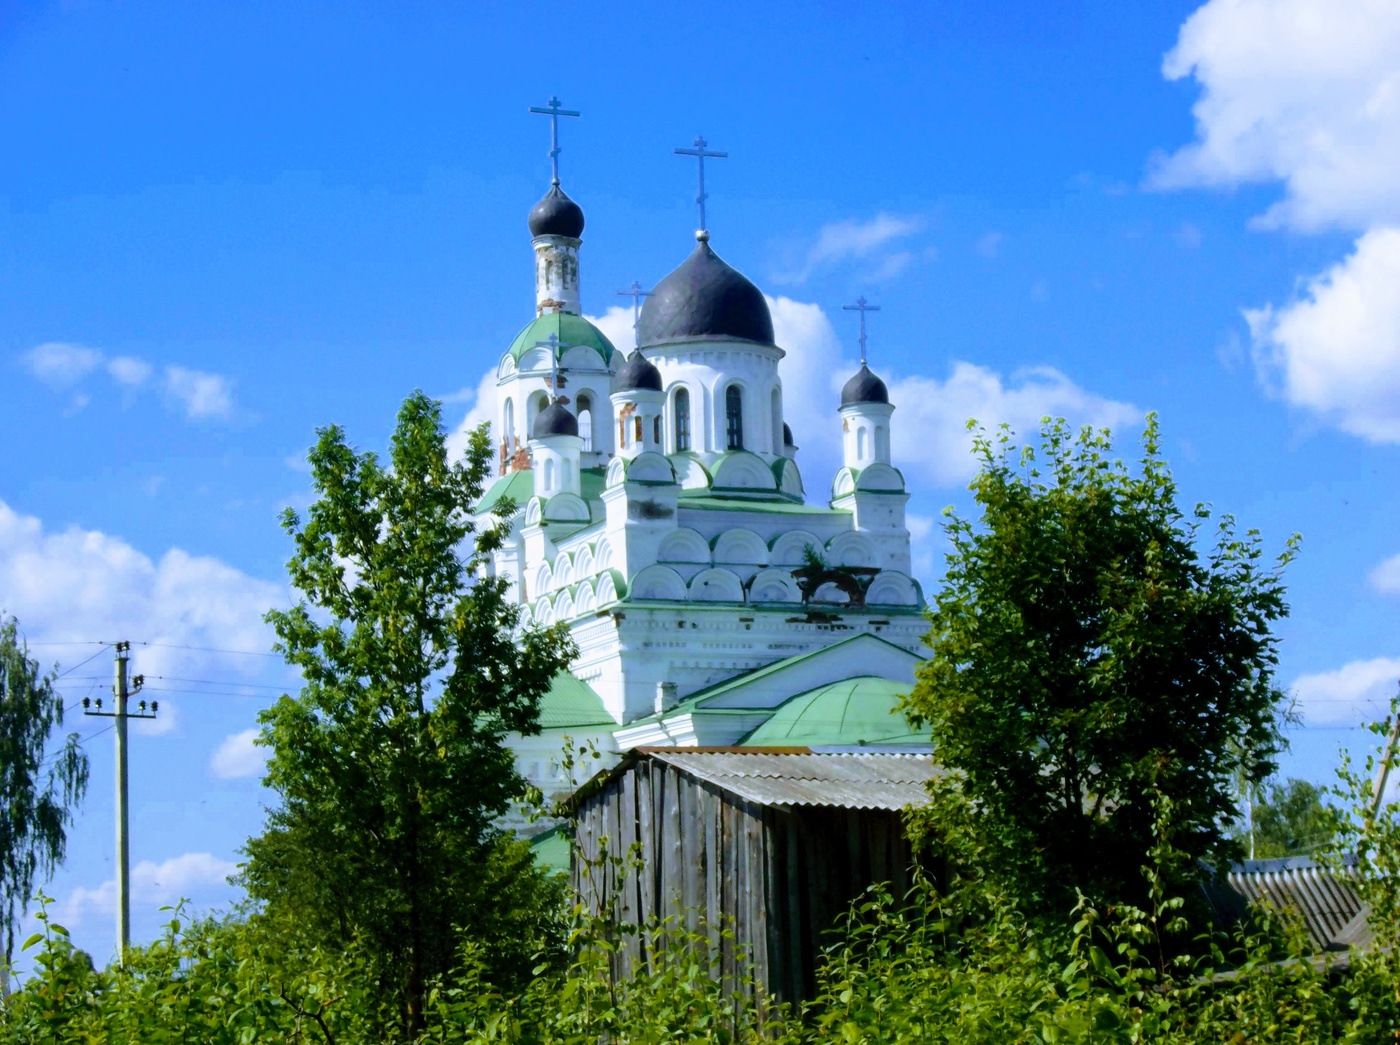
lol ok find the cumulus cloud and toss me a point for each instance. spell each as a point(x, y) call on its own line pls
point(59, 364)
point(856, 240)
point(1299, 92)
point(239, 755)
point(1336, 349)
point(1356, 692)
point(616, 324)
point(84, 585)
point(922, 542)
point(153, 884)
point(199, 393)
point(483, 408)
point(1385, 578)
point(812, 376)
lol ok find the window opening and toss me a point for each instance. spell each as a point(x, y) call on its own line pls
point(734, 417)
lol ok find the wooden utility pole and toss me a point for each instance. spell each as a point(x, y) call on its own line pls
point(122, 692)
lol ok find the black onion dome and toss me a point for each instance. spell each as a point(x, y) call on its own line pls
point(638, 375)
point(554, 420)
point(865, 387)
point(787, 435)
point(705, 298)
point(556, 215)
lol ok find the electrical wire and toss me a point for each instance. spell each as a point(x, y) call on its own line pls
point(208, 649)
point(75, 667)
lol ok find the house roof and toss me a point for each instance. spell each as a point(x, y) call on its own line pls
point(792, 776)
point(551, 849)
point(865, 707)
point(571, 703)
point(1322, 897)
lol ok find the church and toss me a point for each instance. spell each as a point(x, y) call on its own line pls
point(660, 513)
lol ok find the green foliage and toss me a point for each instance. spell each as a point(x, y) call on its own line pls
point(391, 764)
point(1291, 820)
point(1086, 657)
point(37, 794)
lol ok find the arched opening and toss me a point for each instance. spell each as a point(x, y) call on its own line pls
point(508, 422)
point(681, 413)
point(534, 405)
point(734, 417)
point(775, 408)
point(656, 429)
point(568, 474)
point(861, 443)
point(585, 422)
point(549, 475)
point(882, 442)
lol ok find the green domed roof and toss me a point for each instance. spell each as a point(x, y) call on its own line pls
point(571, 330)
point(863, 710)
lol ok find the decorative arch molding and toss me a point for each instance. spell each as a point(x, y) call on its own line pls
point(543, 612)
point(831, 593)
point(691, 474)
point(534, 359)
point(617, 473)
point(741, 547)
point(742, 470)
point(506, 368)
point(892, 588)
point(584, 563)
point(544, 578)
point(566, 507)
point(716, 585)
point(789, 478)
point(790, 549)
point(683, 545)
point(563, 606)
point(583, 357)
point(534, 512)
point(585, 601)
point(851, 549)
point(650, 467)
point(609, 588)
point(563, 569)
point(602, 555)
point(882, 478)
point(774, 585)
point(659, 582)
point(844, 483)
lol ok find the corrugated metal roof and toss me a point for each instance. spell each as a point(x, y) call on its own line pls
point(847, 780)
point(1323, 898)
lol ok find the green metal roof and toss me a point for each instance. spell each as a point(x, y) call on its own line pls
point(862, 710)
point(571, 703)
point(690, 499)
point(571, 330)
point(518, 486)
point(551, 850)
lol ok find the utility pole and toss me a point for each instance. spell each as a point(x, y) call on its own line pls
point(122, 692)
point(1383, 770)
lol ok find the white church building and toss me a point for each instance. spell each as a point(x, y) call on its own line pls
point(659, 511)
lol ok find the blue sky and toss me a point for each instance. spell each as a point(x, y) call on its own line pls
point(224, 225)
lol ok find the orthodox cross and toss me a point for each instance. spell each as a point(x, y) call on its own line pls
point(553, 111)
point(554, 345)
point(700, 153)
point(636, 293)
point(861, 307)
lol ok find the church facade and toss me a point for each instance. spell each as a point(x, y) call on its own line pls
point(658, 510)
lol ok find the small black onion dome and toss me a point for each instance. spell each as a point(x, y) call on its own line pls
point(556, 215)
point(787, 435)
point(638, 375)
point(554, 420)
point(865, 387)
point(704, 298)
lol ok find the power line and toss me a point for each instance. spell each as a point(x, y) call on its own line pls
point(80, 663)
point(209, 649)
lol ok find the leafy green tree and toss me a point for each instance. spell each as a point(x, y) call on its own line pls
point(1090, 662)
point(1290, 820)
point(37, 794)
point(391, 763)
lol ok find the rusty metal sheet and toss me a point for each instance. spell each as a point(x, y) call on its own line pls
point(841, 780)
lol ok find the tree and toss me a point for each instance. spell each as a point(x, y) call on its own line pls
point(1090, 668)
point(391, 763)
point(37, 794)
point(1291, 820)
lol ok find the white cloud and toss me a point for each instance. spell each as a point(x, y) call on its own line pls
point(929, 433)
point(921, 544)
point(483, 408)
point(1336, 349)
point(1296, 91)
point(1385, 578)
point(58, 363)
point(812, 376)
point(84, 585)
point(238, 755)
point(858, 240)
point(152, 884)
point(616, 324)
point(128, 370)
point(1354, 693)
point(200, 393)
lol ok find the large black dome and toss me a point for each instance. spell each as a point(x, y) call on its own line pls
point(556, 215)
point(704, 298)
point(864, 387)
point(554, 420)
point(638, 374)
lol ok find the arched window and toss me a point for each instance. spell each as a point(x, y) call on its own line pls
point(508, 423)
point(682, 415)
point(656, 429)
point(549, 474)
point(734, 417)
point(568, 471)
point(585, 422)
point(882, 442)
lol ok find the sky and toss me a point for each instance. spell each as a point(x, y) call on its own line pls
point(224, 225)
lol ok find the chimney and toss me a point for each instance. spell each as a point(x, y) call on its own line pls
point(665, 696)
